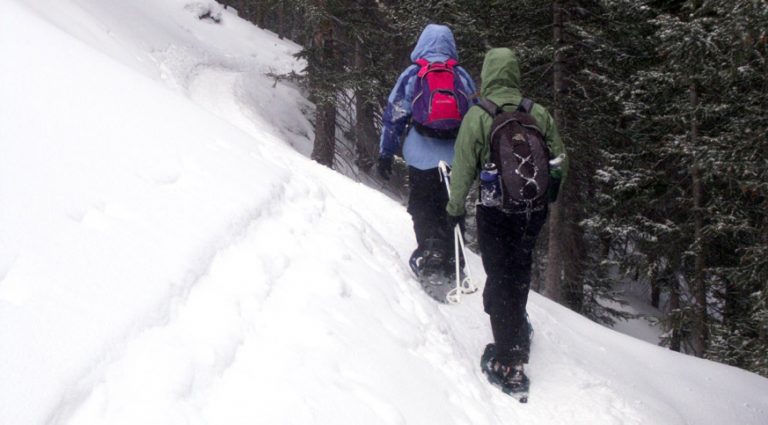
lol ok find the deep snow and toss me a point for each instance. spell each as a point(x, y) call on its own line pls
point(166, 255)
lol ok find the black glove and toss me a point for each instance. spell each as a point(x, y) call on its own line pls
point(385, 167)
point(453, 220)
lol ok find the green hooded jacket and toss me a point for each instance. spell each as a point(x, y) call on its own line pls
point(500, 84)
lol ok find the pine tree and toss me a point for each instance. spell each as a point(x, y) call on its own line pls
point(737, 158)
point(670, 104)
point(693, 116)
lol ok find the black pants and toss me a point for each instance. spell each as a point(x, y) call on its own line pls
point(426, 205)
point(506, 245)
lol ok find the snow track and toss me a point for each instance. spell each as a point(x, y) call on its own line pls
point(263, 317)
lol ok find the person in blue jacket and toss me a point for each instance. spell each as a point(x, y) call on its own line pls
point(422, 152)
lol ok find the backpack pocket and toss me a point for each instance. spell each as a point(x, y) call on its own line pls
point(444, 106)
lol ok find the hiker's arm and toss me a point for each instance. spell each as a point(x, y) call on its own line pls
point(469, 83)
point(396, 114)
point(465, 159)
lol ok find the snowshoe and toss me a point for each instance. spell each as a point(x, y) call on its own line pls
point(428, 267)
point(510, 379)
point(436, 272)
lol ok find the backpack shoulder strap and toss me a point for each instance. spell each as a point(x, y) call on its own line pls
point(423, 65)
point(526, 105)
point(491, 108)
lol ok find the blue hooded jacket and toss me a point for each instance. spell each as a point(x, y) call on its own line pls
point(436, 43)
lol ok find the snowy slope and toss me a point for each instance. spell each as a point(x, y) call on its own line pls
point(166, 255)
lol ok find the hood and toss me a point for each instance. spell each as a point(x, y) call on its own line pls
point(500, 74)
point(435, 43)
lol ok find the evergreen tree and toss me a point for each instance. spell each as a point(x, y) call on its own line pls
point(672, 105)
point(689, 179)
point(737, 204)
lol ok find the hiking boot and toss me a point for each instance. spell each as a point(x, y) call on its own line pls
point(427, 267)
point(434, 256)
point(510, 378)
point(434, 260)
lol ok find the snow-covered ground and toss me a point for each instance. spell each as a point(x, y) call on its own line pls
point(167, 256)
point(644, 323)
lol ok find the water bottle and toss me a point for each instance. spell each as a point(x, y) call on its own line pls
point(555, 177)
point(490, 187)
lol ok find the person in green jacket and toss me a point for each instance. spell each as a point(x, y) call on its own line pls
point(506, 237)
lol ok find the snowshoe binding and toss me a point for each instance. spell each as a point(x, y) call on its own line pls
point(430, 267)
point(510, 379)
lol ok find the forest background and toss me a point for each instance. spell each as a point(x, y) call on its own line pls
point(662, 105)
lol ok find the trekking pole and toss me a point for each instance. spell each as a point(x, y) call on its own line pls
point(463, 286)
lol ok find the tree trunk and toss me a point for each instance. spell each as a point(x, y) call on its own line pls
point(261, 14)
point(655, 293)
point(698, 287)
point(553, 274)
point(255, 13)
point(366, 139)
point(322, 62)
point(280, 16)
point(573, 251)
point(324, 147)
point(675, 343)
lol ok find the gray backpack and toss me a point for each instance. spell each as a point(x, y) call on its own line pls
point(521, 155)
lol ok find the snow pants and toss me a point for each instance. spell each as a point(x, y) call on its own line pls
point(426, 205)
point(506, 246)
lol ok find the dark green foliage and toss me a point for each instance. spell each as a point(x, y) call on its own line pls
point(714, 49)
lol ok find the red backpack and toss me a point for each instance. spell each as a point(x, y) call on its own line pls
point(440, 99)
